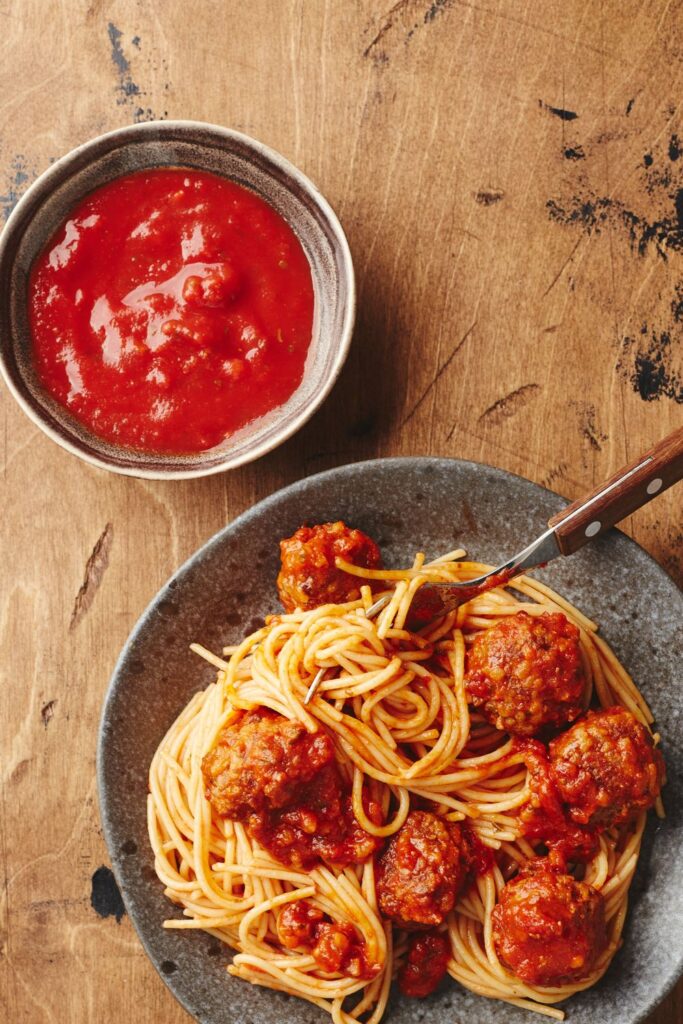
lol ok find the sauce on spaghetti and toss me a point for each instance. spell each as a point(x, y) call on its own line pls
point(481, 858)
point(425, 965)
point(334, 947)
point(170, 309)
point(318, 825)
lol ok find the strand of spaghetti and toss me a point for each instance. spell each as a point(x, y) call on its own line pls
point(212, 659)
point(199, 924)
point(269, 671)
point(362, 818)
point(299, 983)
point(386, 618)
point(378, 725)
point(404, 710)
point(268, 905)
point(409, 735)
point(367, 886)
point(163, 817)
point(201, 853)
point(445, 747)
point(456, 660)
point(357, 908)
point(510, 780)
point(450, 556)
point(279, 872)
point(241, 651)
point(378, 990)
point(406, 601)
point(363, 683)
point(400, 575)
point(392, 689)
point(533, 587)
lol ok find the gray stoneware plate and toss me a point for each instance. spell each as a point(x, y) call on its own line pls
point(227, 587)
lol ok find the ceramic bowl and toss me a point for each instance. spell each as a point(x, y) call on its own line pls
point(209, 148)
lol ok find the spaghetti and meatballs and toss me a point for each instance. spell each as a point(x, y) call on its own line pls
point(468, 799)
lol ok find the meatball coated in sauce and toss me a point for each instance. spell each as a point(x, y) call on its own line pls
point(319, 825)
point(260, 762)
point(606, 768)
point(525, 673)
point(549, 929)
point(545, 818)
point(336, 947)
point(298, 923)
point(422, 870)
point(309, 577)
point(284, 783)
point(425, 965)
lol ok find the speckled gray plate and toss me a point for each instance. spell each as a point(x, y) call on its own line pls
point(224, 590)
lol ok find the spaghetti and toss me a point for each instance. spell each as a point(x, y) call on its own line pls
point(405, 735)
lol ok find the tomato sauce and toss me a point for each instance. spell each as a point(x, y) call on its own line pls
point(170, 309)
point(481, 858)
point(545, 818)
point(426, 964)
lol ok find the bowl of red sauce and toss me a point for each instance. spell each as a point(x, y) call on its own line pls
point(176, 299)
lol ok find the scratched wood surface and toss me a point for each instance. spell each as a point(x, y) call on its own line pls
point(510, 177)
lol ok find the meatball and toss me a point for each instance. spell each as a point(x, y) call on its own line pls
point(422, 870)
point(544, 817)
point(284, 783)
point(549, 929)
point(319, 825)
point(425, 965)
point(525, 673)
point(309, 577)
point(336, 948)
point(260, 763)
point(606, 768)
point(298, 923)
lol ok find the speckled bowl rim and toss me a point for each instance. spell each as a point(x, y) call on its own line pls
point(53, 175)
point(188, 566)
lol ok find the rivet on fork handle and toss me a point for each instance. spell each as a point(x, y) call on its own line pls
point(633, 486)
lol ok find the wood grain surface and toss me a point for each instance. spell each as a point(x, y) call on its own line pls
point(510, 176)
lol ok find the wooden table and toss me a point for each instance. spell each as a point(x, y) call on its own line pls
point(510, 177)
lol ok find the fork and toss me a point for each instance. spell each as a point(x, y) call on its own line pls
point(629, 489)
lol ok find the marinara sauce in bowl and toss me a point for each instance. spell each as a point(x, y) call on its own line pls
point(177, 300)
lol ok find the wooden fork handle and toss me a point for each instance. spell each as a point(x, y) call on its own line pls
point(629, 489)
